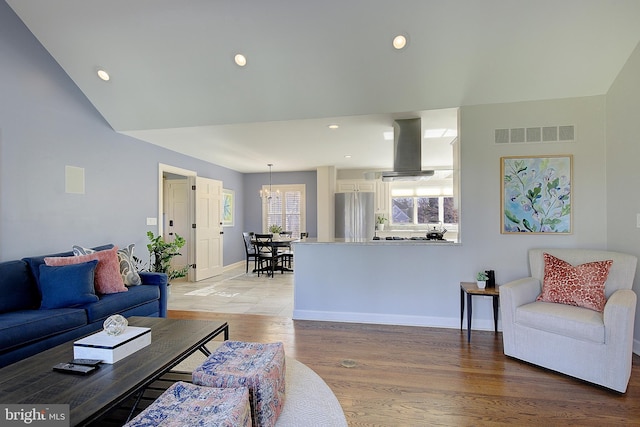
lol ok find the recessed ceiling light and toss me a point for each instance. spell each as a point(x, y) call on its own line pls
point(399, 42)
point(103, 75)
point(333, 126)
point(347, 156)
point(240, 59)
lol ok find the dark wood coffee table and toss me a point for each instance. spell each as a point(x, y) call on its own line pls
point(32, 381)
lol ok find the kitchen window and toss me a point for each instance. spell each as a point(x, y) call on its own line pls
point(416, 204)
point(423, 210)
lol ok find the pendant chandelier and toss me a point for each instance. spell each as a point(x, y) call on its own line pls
point(269, 194)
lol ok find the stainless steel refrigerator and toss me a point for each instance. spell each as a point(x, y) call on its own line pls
point(355, 218)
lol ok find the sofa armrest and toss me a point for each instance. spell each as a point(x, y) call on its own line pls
point(160, 280)
point(619, 314)
point(513, 295)
point(619, 317)
point(520, 292)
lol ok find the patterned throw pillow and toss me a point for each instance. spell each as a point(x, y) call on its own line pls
point(107, 277)
point(582, 285)
point(128, 271)
point(79, 250)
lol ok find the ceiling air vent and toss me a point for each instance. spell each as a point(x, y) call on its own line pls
point(536, 134)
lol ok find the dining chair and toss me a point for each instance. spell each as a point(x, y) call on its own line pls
point(286, 252)
point(250, 250)
point(268, 256)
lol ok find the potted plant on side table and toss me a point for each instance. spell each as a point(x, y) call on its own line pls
point(481, 279)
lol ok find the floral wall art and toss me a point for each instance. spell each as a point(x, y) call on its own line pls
point(536, 194)
point(228, 207)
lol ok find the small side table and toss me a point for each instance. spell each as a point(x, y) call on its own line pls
point(471, 289)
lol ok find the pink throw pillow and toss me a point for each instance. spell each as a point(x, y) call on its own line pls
point(582, 285)
point(108, 279)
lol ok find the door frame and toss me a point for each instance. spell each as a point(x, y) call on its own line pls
point(162, 168)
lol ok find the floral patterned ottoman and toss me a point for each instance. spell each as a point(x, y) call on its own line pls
point(259, 367)
point(185, 404)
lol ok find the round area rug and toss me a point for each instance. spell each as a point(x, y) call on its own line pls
point(309, 401)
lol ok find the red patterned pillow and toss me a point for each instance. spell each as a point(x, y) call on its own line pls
point(107, 277)
point(582, 285)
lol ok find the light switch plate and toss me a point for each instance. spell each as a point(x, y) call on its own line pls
point(152, 221)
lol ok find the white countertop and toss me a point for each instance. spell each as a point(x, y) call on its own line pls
point(314, 241)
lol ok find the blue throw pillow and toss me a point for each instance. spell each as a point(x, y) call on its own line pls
point(67, 285)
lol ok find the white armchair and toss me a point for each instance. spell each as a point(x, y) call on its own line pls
point(583, 343)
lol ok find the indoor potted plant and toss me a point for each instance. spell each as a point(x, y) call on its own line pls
point(380, 220)
point(161, 253)
point(275, 229)
point(481, 279)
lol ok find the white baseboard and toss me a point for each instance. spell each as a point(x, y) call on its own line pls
point(393, 319)
point(234, 265)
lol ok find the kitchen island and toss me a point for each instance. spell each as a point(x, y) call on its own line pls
point(402, 282)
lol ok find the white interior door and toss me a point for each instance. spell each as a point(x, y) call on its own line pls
point(208, 237)
point(177, 217)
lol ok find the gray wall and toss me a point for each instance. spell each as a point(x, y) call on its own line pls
point(623, 173)
point(253, 183)
point(46, 123)
point(483, 246)
point(480, 178)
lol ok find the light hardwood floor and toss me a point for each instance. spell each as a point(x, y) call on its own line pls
point(408, 376)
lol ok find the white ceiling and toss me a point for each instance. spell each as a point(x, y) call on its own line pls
point(312, 63)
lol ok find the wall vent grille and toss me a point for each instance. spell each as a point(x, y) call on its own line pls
point(542, 134)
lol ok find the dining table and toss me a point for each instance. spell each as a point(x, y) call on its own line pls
point(276, 243)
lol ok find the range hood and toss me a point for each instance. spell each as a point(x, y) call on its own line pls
point(407, 152)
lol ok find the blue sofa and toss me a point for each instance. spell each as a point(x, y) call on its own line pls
point(26, 329)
